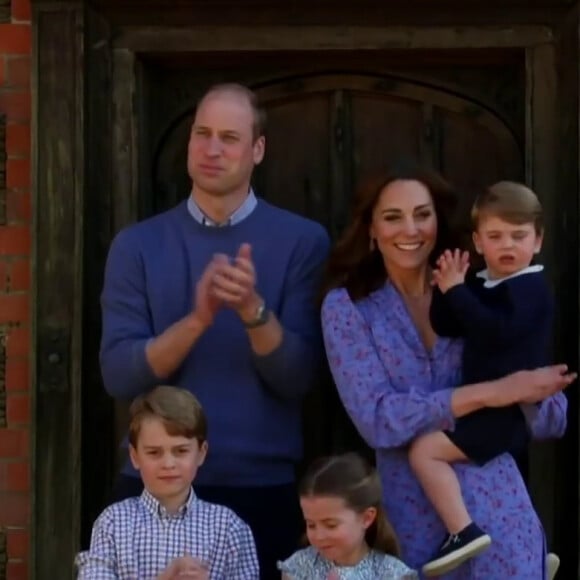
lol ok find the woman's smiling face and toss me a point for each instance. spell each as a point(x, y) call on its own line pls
point(404, 225)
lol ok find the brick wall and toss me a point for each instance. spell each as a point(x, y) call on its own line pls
point(15, 244)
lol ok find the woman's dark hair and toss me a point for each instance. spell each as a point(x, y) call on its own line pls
point(352, 263)
point(350, 478)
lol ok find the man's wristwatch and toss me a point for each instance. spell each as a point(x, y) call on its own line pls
point(261, 316)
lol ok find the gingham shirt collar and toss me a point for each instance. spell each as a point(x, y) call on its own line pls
point(155, 508)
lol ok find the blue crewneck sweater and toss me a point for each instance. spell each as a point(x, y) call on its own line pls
point(253, 403)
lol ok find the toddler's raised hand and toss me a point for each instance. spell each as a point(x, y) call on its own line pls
point(451, 269)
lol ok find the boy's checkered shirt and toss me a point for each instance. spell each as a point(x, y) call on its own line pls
point(136, 539)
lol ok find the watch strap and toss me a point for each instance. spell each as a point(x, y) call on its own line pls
point(261, 317)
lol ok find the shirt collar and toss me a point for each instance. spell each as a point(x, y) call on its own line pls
point(155, 508)
point(247, 207)
point(490, 283)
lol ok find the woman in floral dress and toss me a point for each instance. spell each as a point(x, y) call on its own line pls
point(397, 379)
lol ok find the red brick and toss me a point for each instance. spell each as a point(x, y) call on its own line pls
point(17, 409)
point(17, 570)
point(14, 443)
point(21, 11)
point(18, 543)
point(15, 38)
point(15, 104)
point(14, 510)
point(17, 71)
point(14, 308)
point(14, 476)
point(14, 241)
point(18, 342)
point(19, 476)
point(18, 173)
point(17, 374)
point(18, 275)
point(4, 275)
point(2, 70)
point(17, 140)
point(18, 207)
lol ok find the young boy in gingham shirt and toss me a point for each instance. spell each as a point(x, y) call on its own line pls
point(168, 532)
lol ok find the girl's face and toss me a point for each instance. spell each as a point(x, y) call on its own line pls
point(335, 530)
point(404, 225)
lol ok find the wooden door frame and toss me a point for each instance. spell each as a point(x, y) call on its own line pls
point(85, 172)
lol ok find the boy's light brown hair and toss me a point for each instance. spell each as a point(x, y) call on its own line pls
point(510, 201)
point(180, 411)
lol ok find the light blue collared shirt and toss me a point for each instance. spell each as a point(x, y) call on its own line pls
point(240, 214)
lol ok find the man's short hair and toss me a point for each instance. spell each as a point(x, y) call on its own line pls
point(259, 124)
point(180, 411)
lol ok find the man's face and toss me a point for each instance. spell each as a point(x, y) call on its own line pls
point(222, 151)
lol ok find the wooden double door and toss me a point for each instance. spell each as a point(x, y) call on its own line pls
point(326, 132)
point(327, 128)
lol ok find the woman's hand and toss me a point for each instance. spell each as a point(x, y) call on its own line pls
point(530, 386)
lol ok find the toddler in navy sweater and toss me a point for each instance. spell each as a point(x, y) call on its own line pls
point(504, 315)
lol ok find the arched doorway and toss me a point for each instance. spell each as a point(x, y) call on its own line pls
point(325, 132)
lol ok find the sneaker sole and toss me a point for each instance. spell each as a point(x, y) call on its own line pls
point(552, 565)
point(451, 561)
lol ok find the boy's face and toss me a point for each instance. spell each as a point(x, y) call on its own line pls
point(507, 248)
point(167, 463)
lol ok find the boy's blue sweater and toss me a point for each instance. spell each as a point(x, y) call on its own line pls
point(506, 328)
point(253, 403)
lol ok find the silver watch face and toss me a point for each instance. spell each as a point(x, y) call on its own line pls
point(261, 310)
point(260, 318)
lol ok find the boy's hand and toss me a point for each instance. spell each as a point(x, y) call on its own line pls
point(186, 568)
point(451, 269)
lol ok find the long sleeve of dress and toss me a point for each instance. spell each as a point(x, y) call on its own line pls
point(384, 417)
point(548, 420)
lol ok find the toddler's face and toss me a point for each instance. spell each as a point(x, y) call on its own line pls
point(167, 463)
point(506, 248)
point(335, 530)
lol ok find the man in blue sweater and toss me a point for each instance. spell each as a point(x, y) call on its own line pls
point(217, 295)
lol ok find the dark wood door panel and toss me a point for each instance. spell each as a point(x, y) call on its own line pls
point(295, 172)
point(385, 129)
point(327, 132)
